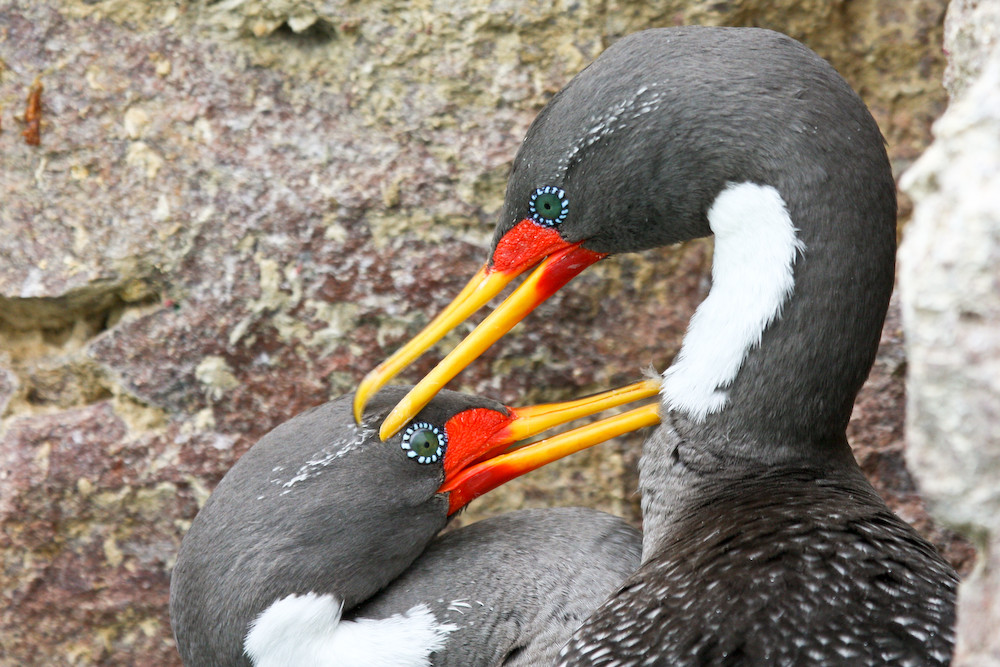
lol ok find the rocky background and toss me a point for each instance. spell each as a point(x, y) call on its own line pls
point(950, 280)
point(214, 215)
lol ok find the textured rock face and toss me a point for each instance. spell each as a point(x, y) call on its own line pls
point(237, 209)
point(951, 303)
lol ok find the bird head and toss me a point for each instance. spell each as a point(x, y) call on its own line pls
point(470, 445)
point(635, 152)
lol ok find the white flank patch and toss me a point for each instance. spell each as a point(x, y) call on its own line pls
point(307, 630)
point(755, 249)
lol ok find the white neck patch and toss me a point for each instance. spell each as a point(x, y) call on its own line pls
point(307, 630)
point(755, 249)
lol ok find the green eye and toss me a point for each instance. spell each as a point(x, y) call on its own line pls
point(424, 442)
point(549, 206)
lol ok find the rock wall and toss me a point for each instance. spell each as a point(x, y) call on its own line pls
point(235, 209)
point(950, 280)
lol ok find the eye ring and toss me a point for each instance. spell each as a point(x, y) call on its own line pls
point(548, 206)
point(424, 442)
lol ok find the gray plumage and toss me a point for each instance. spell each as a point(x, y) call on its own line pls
point(763, 542)
point(777, 566)
point(308, 508)
point(516, 585)
point(320, 505)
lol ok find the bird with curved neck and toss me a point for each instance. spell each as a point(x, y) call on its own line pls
point(763, 542)
point(320, 517)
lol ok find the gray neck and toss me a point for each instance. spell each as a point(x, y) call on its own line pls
point(798, 387)
point(681, 477)
point(777, 352)
point(791, 398)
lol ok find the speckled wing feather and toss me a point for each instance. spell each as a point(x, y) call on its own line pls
point(785, 569)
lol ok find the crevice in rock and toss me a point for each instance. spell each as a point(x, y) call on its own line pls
point(319, 33)
point(58, 315)
point(43, 344)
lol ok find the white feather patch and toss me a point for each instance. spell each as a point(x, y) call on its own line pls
point(307, 630)
point(755, 250)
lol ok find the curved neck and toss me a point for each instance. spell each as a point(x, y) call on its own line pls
point(755, 250)
point(775, 355)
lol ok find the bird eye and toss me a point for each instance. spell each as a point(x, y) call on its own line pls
point(424, 442)
point(549, 206)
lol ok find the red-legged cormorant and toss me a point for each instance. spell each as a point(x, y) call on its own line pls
point(321, 515)
point(763, 542)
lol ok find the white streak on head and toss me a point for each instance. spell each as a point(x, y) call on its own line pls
point(326, 456)
point(614, 118)
point(307, 630)
point(755, 250)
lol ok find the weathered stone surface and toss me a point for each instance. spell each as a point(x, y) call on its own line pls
point(876, 432)
point(88, 536)
point(951, 299)
point(971, 37)
point(953, 307)
point(237, 209)
point(8, 386)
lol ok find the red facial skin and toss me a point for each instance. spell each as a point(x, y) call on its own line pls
point(474, 435)
point(527, 243)
point(524, 246)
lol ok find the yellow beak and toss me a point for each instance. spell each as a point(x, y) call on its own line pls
point(477, 479)
point(551, 274)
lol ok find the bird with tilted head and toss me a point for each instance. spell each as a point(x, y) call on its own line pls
point(321, 517)
point(763, 542)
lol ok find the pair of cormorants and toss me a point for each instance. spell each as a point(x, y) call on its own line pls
point(762, 544)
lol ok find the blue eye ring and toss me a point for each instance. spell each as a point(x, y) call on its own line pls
point(549, 206)
point(424, 442)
